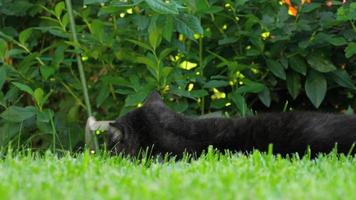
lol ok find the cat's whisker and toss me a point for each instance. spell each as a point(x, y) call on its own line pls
point(114, 147)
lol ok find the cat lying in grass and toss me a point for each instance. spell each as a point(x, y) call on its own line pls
point(155, 125)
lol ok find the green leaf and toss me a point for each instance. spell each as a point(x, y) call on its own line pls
point(165, 52)
point(298, 64)
point(293, 84)
point(284, 62)
point(179, 106)
point(241, 2)
point(58, 55)
point(165, 72)
point(18, 114)
point(43, 119)
point(23, 87)
point(87, 2)
point(38, 95)
point(342, 78)
point(201, 5)
point(276, 68)
point(59, 8)
point(46, 71)
point(141, 21)
point(73, 113)
point(150, 63)
point(346, 13)
point(65, 20)
point(217, 104)
point(215, 84)
point(310, 7)
point(240, 103)
point(112, 9)
point(199, 93)
point(232, 65)
point(16, 8)
point(211, 10)
point(250, 87)
point(315, 87)
point(135, 99)
point(227, 40)
point(162, 7)
point(3, 48)
point(25, 35)
point(337, 41)
point(154, 34)
point(320, 63)
point(141, 44)
point(168, 29)
point(182, 93)
point(104, 93)
point(45, 116)
point(265, 96)
point(350, 50)
point(3, 75)
point(97, 28)
point(258, 43)
point(188, 25)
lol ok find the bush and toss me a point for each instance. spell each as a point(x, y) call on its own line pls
point(239, 57)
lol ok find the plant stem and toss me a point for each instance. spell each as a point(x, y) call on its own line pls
point(353, 25)
point(90, 139)
point(158, 61)
point(22, 46)
point(79, 101)
point(54, 133)
point(201, 70)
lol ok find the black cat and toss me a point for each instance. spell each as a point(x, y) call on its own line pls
point(154, 125)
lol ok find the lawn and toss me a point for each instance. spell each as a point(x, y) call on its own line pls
point(212, 176)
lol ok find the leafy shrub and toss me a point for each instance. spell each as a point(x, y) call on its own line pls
point(238, 57)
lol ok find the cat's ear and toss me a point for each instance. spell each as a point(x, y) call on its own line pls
point(154, 99)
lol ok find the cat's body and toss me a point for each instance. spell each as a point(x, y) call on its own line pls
point(155, 125)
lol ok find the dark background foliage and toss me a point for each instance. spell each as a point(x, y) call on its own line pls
point(236, 57)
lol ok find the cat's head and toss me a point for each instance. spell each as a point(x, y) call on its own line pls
point(127, 134)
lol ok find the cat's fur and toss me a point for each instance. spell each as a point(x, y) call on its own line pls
point(155, 125)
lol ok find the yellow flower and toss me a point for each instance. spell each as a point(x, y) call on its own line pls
point(190, 87)
point(224, 27)
point(265, 35)
point(166, 89)
point(197, 36)
point(129, 11)
point(218, 95)
point(85, 58)
point(187, 65)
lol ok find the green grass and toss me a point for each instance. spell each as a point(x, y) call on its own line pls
point(213, 176)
